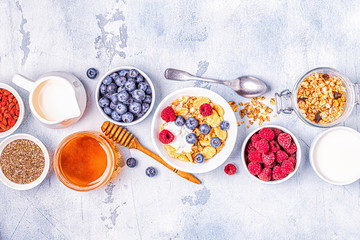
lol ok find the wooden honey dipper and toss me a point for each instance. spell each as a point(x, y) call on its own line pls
point(122, 136)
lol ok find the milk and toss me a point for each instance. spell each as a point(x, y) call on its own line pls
point(336, 155)
point(180, 133)
point(54, 100)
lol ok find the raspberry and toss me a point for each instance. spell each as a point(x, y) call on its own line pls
point(249, 148)
point(206, 109)
point(270, 166)
point(268, 158)
point(166, 136)
point(254, 168)
point(254, 156)
point(277, 174)
point(168, 114)
point(277, 132)
point(284, 139)
point(292, 160)
point(254, 139)
point(230, 169)
point(265, 174)
point(287, 167)
point(281, 156)
point(274, 146)
point(267, 134)
point(262, 146)
point(291, 149)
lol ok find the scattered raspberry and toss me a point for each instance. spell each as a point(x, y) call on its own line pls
point(166, 136)
point(249, 148)
point(281, 156)
point(267, 134)
point(254, 139)
point(291, 149)
point(262, 146)
point(254, 156)
point(287, 167)
point(277, 132)
point(268, 158)
point(265, 174)
point(274, 146)
point(270, 166)
point(284, 139)
point(277, 174)
point(168, 114)
point(292, 160)
point(254, 168)
point(206, 109)
point(230, 169)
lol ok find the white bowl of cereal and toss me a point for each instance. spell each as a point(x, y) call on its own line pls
point(208, 146)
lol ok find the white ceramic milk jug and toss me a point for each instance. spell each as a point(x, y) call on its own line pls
point(57, 99)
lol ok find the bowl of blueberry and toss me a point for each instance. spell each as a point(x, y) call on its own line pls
point(125, 95)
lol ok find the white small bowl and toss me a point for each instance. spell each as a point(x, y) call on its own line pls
point(97, 94)
point(21, 110)
point(298, 154)
point(219, 158)
point(33, 184)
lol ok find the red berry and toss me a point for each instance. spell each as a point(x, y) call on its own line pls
point(265, 174)
point(230, 169)
point(268, 158)
point(206, 109)
point(287, 167)
point(277, 174)
point(274, 146)
point(292, 160)
point(292, 148)
point(254, 139)
point(267, 134)
point(277, 132)
point(284, 139)
point(281, 156)
point(262, 146)
point(254, 156)
point(254, 168)
point(168, 114)
point(166, 136)
point(249, 148)
point(270, 166)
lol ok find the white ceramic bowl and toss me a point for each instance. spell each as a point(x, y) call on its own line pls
point(298, 154)
point(21, 110)
point(33, 184)
point(219, 158)
point(97, 94)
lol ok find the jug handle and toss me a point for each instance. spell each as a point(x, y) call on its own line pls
point(23, 82)
point(283, 102)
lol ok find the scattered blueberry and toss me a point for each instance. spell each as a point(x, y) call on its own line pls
point(191, 123)
point(140, 79)
point(112, 105)
point(127, 117)
point(148, 99)
point(107, 110)
point(133, 73)
point(114, 98)
point(224, 125)
point(145, 107)
point(150, 171)
point(123, 73)
point(91, 73)
point(103, 88)
point(179, 121)
point(143, 86)
point(204, 129)
point(135, 107)
point(123, 96)
point(148, 90)
point(120, 81)
point(111, 88)
point(104, 102)
point(191, 138)
point(115, 116)
point(121, 108)
point(131, 162)
point(138, 95)
point(199, 158)
point(130, 85)
point(215, 142)
point(107, 80)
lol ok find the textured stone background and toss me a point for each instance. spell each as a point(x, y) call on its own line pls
point(275, 40)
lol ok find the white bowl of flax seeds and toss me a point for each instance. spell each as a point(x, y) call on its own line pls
point(24, 161)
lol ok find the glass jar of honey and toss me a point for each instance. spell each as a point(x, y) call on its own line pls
point(85, 160)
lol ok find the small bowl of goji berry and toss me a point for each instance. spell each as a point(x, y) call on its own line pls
point(11, 110)
point(271, 154)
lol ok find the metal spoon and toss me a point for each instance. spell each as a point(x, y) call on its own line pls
point(246, 86)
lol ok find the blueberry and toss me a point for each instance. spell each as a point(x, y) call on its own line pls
point(107, 95)
point(111, 88)
point(115, 116)
point(121, 88)
point(103, 88)
point(114, 98)
point(129, 101)
point(121, 108)
point(114, 76)
point(224, 125)
point(107, 110)
point(133, 73)
point(104, 102)
point(123, 73)
point(145, 107)
point(148, 90)
point(120, 81)
point(139, 115)
point(179, 121)
point(191, 138)
point(123, 96)
point(199, 158)
point(150, 171)
point(107, 80)
point(138, 95)
point(131, 162)
point(204, 129)
point(147, 99)
point(130, 85)
point(91, 73)
point(140, 79)
point(191, 123)
point(127, 117)
point(112, 105)
point(135, 107)
point(143, 86)
point(215, 142)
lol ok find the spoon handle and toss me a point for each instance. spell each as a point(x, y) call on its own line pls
point(179, 75)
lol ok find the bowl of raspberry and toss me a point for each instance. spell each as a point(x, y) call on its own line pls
point(125, 95)
point(271, 154)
